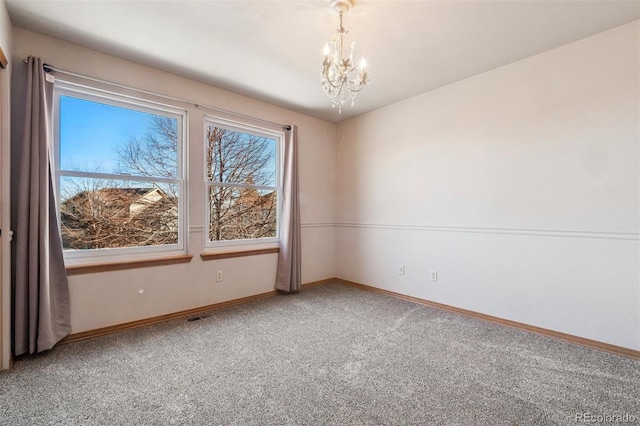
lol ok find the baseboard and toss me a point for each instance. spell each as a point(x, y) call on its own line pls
point(90, 334)
point(618, 350)
point(594, 344)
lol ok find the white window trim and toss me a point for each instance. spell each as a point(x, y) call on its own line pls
point(106, 255)
point(243, 127)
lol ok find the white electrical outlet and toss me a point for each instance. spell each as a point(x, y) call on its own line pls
point(219, 276)
point(401, 270)
point(434, 275)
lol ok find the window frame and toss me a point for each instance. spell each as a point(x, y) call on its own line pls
point(258, 131)
point(122, 100)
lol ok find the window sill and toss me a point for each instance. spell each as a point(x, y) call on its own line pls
point(130, 264)
point(230, 254)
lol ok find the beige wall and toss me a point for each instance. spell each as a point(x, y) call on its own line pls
point(103, 299)
point(5, 264)
point(519, 186)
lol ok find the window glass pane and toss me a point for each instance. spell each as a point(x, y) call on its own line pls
point(96, 137)
point(242, 158)
point(241, 213)
point(100, 213)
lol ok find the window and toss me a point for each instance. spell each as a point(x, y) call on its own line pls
point(242, 183)
point(119, 174)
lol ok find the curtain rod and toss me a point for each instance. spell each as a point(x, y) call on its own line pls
point(49, 68)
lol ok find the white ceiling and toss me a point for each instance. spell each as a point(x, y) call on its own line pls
point(272, 50)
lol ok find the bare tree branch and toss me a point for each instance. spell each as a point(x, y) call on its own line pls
point(234, 157)
point(121, 213)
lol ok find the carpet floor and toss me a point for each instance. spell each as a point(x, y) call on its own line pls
point(329, 355)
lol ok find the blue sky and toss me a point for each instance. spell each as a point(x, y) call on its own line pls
point(91, 131)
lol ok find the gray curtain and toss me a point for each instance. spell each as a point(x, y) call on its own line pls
point(40, 292)
point(289, 278)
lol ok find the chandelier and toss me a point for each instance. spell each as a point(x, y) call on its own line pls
point(341, 80)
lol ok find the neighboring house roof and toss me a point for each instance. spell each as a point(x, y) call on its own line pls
point(105, 194)
point(116, 200)
point(149, 198)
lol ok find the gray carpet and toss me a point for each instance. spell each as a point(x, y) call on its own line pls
point(329, 355)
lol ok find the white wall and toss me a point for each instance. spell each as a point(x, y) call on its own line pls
point(5, 260)
point(520, 186)
point(103, 299)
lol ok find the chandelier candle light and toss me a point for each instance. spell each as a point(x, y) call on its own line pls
point(341, 80)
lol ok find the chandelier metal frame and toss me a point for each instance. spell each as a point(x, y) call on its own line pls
point(341, 80)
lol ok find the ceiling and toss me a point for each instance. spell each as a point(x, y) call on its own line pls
point(272, 50)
